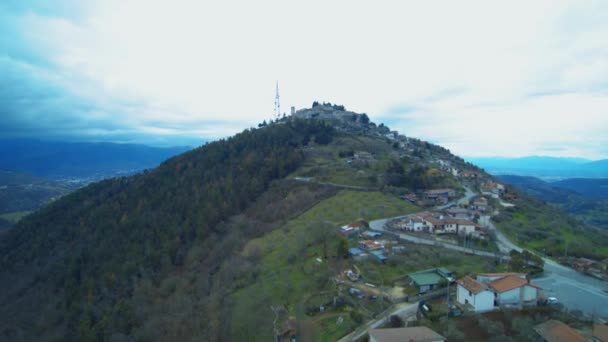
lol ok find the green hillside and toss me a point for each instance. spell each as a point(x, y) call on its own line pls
point(228, 240)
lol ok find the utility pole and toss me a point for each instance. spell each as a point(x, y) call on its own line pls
point(447, 315)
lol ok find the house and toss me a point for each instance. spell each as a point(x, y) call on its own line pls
point(469, 174)
point(513, 289)
point(450, 225)
point(378, 255)
point(410, 334)
point(430, 279)
point(505, 288)
point(371, 235)
point(458, 213)
point(433, 224)
point(414, 223)
point(409, 197)
point(370, 245)
point(480, 234)
point(465, 227)
point(480, 203)
point(557, 331)
point(436, 193)
point(447, 274)
point(487, 278)
point(352, 229)
point(359, 224)
point(355, 252)
point(348, 232)
point(477, 295)
point(583, 264)
point(600, 333)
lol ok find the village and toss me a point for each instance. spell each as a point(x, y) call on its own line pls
point(429, 294)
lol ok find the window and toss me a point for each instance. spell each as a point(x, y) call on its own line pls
point(470, 293)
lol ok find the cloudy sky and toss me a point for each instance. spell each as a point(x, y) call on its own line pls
point(481, 78)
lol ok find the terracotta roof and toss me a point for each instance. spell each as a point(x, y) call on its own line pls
point(600, 331)
point(500, 275)
point(556, 331)
point(434, 221)
point(471, 284)
point(509, 283)
point(413, 334)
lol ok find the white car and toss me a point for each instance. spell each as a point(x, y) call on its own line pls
point(552, 300)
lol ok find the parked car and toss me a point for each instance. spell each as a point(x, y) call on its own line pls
point(552, 300)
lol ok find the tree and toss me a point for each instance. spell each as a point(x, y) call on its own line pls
point(364, 118)
point(343, 248)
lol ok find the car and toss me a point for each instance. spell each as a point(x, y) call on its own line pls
point(552, 300)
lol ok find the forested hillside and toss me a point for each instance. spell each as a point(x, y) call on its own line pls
point(200, 247)
point(71, 270)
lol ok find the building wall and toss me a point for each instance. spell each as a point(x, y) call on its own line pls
point(483, 301)
point(529, 293)
point(466, 229)
point(451, 228)
point(509, 297)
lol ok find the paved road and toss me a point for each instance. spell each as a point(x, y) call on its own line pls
point(504, 244)
point(573, 289)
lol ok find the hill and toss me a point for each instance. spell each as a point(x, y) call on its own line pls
point(57, 159)
point(579, 197)
point(592, 187)
point(232, 240)
point(543, 167)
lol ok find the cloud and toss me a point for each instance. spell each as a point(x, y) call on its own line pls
point(481, 78)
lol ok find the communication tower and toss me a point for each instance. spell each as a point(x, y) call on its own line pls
point(277, 104)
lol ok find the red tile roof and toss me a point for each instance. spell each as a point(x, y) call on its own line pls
point(500, 275)
point(556, 331)
point(471, 284)
point(509, 283)
point(413, 334)
point(600, 331)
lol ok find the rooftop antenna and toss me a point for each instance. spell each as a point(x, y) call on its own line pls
point(277, 104)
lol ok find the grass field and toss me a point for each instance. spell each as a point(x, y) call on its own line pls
point(288, 274)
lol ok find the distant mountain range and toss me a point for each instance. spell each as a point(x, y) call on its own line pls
point(586, 199)
point(56, 159)
point(544, 167)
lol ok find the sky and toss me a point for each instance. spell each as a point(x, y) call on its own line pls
point(482, 78)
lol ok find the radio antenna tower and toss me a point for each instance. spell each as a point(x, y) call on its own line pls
point(277, 104)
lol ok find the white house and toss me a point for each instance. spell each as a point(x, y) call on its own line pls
point(465, 227)
point(415, 224)
point(513, 290)
point(450, 225)
point(492, 290)
point(473, 293)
